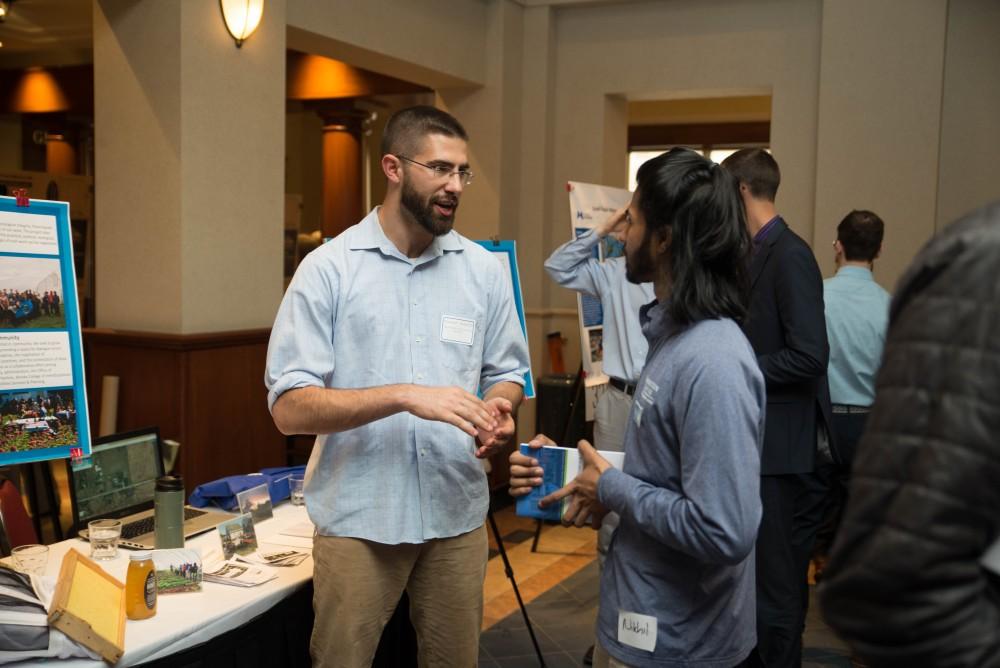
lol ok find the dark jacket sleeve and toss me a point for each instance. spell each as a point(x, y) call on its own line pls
point(799, 293)
point(905, 586)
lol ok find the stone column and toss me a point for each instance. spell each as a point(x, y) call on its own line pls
point(189, 134)
point(343, 189)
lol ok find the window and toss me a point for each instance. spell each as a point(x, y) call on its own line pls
point(713, 153)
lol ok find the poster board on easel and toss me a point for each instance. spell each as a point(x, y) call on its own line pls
point(506, 253)
point(590, 205)
point(43, 395)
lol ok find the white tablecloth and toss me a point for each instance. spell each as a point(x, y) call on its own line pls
point(185, 620)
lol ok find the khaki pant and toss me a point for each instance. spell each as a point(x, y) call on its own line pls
point(610, 420)
point(358, 583)
point(604, 660)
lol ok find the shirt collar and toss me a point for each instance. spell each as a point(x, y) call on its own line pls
point(764, 231)
point(369, 235)
point(656, 320)
point(856, 272)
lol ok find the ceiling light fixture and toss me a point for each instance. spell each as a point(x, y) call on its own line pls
point(38, 92)
point(5, 9)
point(241, 16)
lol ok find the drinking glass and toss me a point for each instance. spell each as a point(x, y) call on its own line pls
point(104, 535)
point(296, 484)
point(31, 558)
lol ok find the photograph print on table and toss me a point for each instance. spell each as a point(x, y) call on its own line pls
point(257, 502)
point(238, 536)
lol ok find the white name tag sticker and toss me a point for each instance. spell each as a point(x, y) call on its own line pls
point(458, 330)
point(637, 630)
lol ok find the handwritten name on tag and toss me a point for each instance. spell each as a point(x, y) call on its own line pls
point(458, 330)
point(637, 630)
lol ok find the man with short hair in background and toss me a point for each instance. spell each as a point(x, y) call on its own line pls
point(857, 317)
point(913, 580)
point(788, 333)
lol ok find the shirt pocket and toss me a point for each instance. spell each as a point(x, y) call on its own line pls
point(461, 361)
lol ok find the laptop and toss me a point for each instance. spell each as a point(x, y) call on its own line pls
point(118, 481)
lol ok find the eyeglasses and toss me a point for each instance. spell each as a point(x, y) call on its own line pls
point(444, 172)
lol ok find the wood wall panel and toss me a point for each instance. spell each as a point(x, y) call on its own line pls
point(205, 391)
point(233, 426)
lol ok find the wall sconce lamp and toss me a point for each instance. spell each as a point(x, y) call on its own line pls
point(5, 9)
point(242, 17)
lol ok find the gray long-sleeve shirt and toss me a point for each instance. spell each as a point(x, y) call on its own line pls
point(688, 497)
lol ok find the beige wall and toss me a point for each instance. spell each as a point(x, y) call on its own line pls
point(438, 43)
point(970, 110)
point(490, 114)
point(879, 123)
point(190, 168)
point(607, 54)
point(137, 173)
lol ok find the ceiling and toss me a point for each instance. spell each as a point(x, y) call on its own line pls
point(49, 26)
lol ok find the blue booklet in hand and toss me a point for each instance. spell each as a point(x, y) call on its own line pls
point(560, 466)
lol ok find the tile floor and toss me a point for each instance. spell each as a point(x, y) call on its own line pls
point(559, 585)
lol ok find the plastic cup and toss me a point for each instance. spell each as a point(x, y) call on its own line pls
point(104, 536)
point(31, 558)
point(296, 488)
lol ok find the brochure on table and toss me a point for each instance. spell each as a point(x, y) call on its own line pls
point(590, 205)
point(506, 253)
point(43, 396)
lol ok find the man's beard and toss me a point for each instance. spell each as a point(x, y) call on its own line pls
point(423, 211)
point(639, 266)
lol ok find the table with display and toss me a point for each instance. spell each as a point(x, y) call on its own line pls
point(226, 626)
point(222, 625)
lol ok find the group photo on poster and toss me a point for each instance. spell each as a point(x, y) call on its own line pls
point(37, 419)
point(31, 293)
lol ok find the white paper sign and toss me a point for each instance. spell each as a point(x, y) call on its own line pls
point(637, 630)
point(458, 330)
point(35, 359)
point(28, 233)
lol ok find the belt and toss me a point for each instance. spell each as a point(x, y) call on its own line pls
point(622, 385)
point(844, 409)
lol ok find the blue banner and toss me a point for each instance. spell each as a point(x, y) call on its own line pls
point(506, 252)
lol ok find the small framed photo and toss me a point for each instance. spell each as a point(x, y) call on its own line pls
point(257, 502)
point(238, 536)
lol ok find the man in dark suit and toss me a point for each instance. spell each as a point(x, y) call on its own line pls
point(787, 330)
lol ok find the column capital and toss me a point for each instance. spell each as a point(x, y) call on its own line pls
point(342, 116)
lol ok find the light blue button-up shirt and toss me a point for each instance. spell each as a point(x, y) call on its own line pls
point(574, 266)
point(359, 313)
point(857, 317)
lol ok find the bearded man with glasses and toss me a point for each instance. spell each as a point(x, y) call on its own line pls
point(382, 345)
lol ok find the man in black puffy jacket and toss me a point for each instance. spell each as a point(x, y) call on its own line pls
point(905, 585)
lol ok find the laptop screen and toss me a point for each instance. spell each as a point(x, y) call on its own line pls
point(118, 478)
